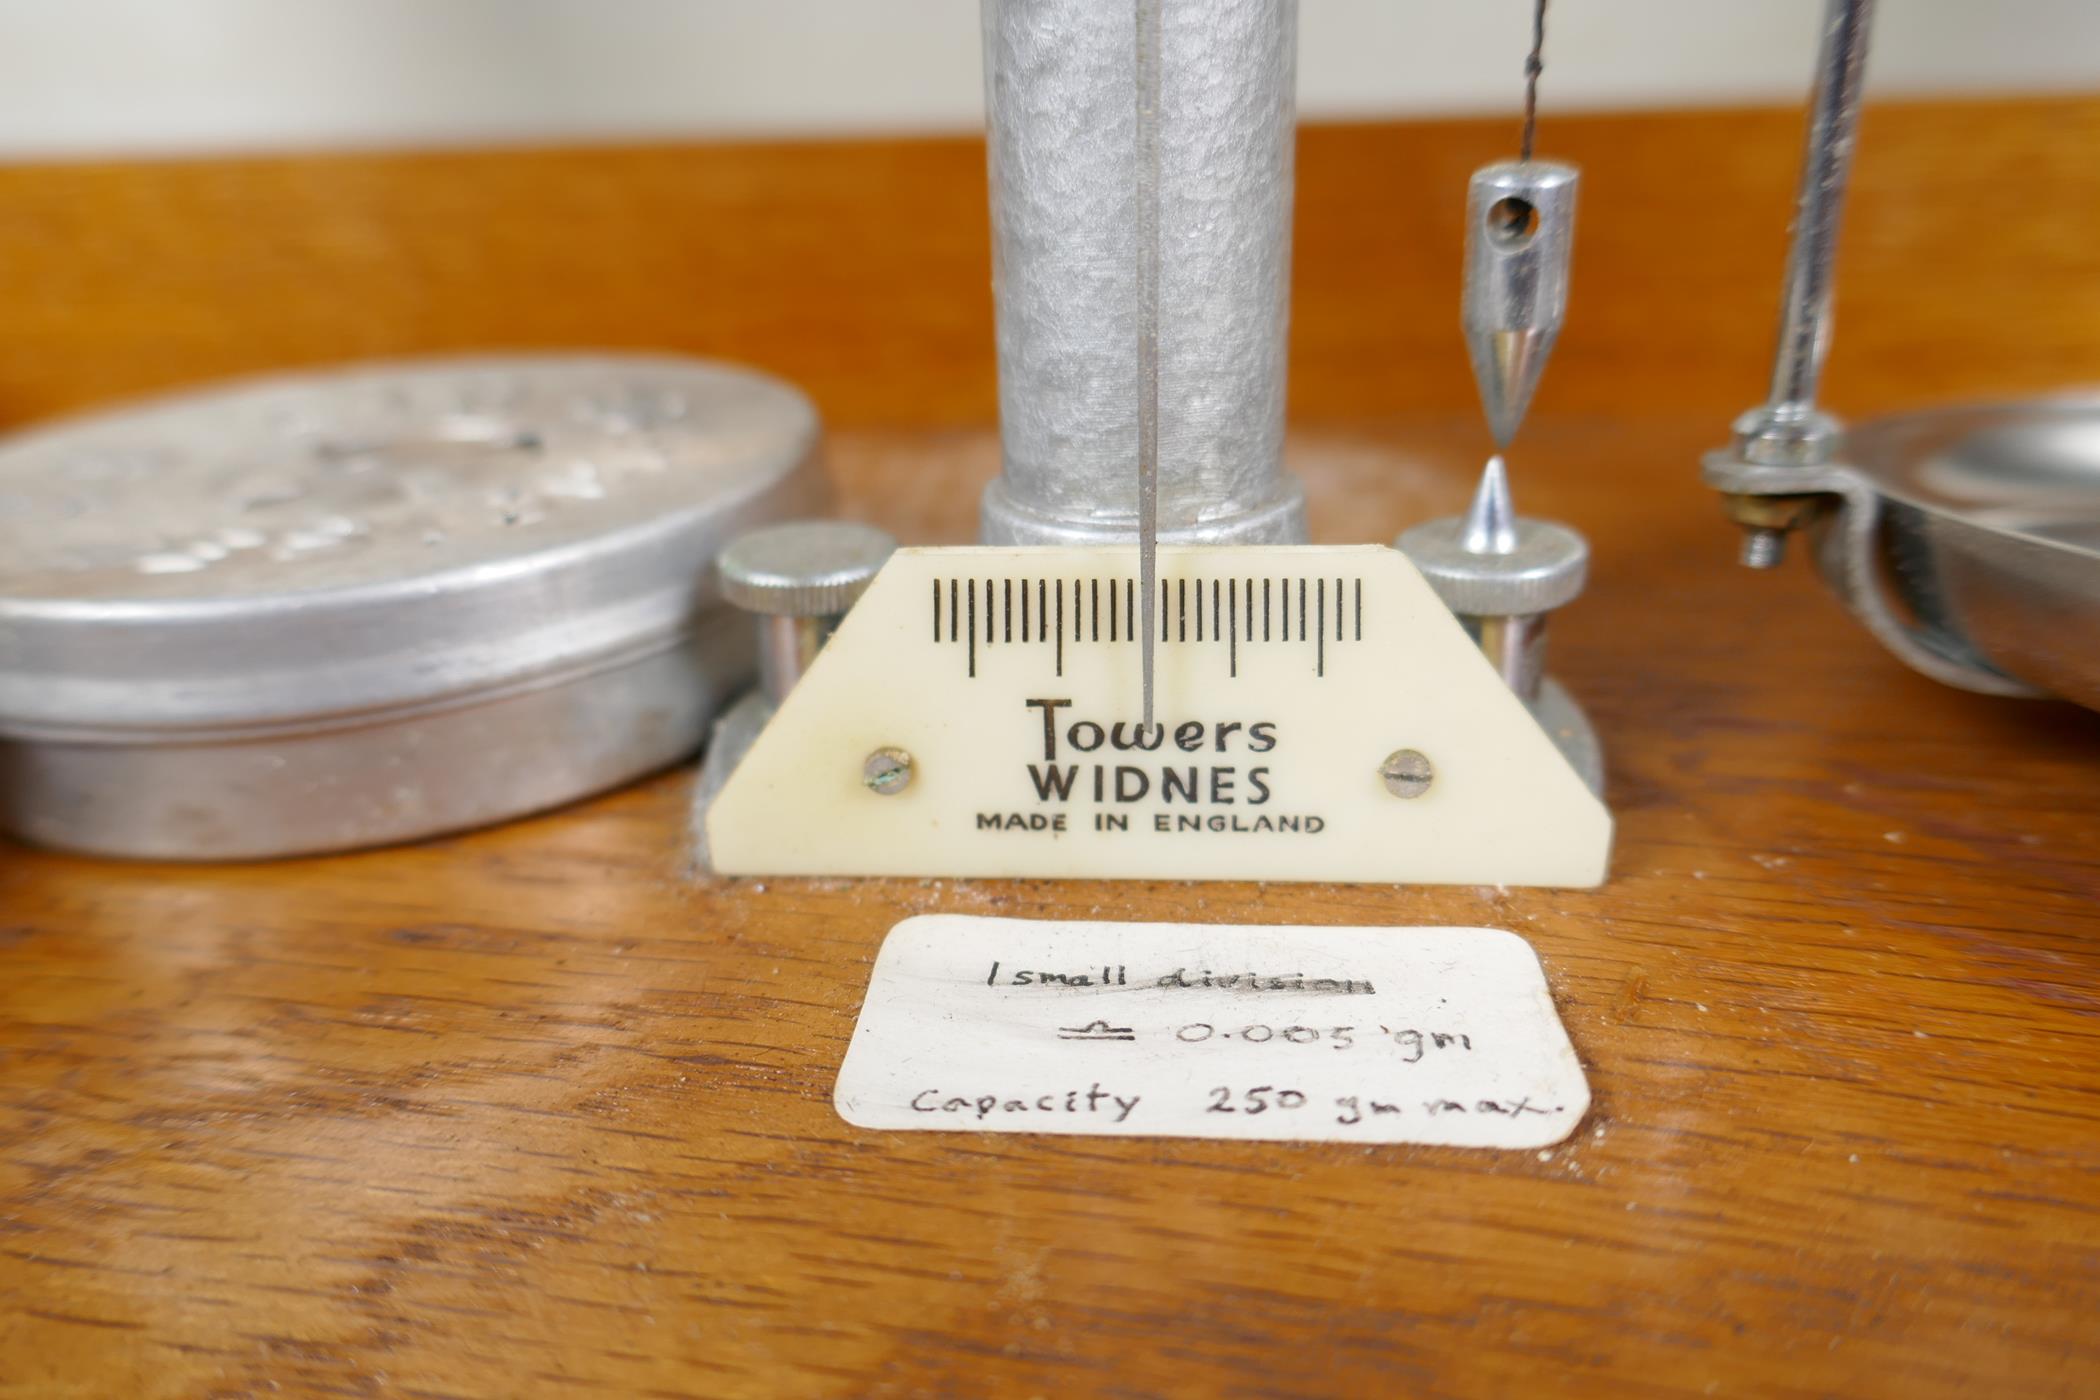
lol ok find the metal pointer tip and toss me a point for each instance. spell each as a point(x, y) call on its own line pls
point(1507, 365)
point(1520, 236)
point(1491, 521)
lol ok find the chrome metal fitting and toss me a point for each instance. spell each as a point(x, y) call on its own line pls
point(799, 578)
point(1520, 239)
point(1545, 567)
point(1788, 430)
point(1502, 576)
point(1492, 562)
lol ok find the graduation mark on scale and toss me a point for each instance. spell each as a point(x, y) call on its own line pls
point(1200, 609)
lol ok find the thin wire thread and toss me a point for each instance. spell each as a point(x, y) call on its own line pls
point(1534, 64)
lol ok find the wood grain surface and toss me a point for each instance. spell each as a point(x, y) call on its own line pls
point(539, 1111)
point(862, 271)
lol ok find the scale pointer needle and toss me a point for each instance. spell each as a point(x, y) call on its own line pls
point(1148, 57)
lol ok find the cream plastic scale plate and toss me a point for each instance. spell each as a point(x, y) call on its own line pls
point(1008, 679)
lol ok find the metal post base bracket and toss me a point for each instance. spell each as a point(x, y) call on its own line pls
point(1321, 716)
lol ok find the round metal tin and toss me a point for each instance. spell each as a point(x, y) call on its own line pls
point(341, 609)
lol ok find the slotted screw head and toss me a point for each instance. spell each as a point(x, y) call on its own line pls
point(1407, 773)
point(886, 772)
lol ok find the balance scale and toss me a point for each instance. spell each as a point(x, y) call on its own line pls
point(1144, 672)
point(333, 610)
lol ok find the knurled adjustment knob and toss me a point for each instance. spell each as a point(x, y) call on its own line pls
point(1492, 562)
point(799, 578)
point(1544, 567)
point(803, 568)
point(1501, 575)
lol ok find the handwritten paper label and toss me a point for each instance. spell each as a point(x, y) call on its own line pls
point(1421, 1035)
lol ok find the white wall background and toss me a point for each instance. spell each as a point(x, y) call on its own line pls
point(96, 77)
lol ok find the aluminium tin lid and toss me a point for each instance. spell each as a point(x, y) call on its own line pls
point(314, 547)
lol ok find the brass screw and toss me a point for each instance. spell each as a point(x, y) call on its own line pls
point(1407, 773)
point(1767, 521)
point(886, 772)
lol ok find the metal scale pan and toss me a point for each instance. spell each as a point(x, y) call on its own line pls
point(1966, 539)
point(1983, 521)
